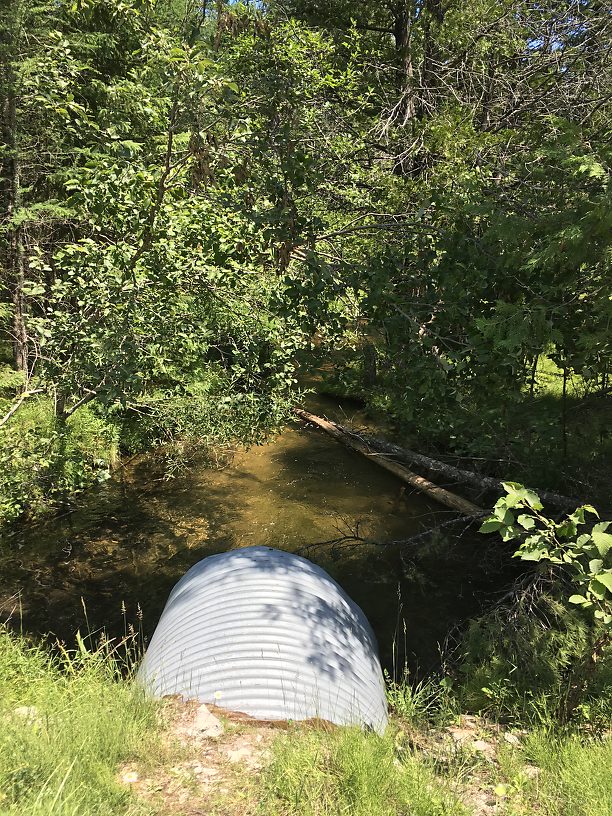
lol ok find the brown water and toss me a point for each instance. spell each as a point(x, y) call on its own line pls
point(131, 539)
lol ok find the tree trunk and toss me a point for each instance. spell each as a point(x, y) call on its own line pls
point(488, 483)
point(430, 66)
point(402, 33)
point(534, 372)
point(11, 172)
point(20, 335)
point(564, 413)
point(370, 372)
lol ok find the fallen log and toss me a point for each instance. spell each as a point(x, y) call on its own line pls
point(432, 490)
point(453, 473)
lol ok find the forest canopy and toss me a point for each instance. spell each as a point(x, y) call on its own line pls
point(200, 202)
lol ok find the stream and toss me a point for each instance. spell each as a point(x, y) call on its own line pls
point(110, 563)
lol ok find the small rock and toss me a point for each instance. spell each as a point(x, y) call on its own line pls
point(29, 714)
point(239, 754)
point(204, 724)
point(512, 739)
point(484, 748)
point(531, 771)
point(471, 720)
point(460, 735)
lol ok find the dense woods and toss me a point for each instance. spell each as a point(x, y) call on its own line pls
point(201, 200)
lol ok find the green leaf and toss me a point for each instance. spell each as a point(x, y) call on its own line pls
point(605, 578)
point(533, 500)
point(531, 555)
point(505, 516)
point(527, 522)
point(567, 528)
point(598, 589)
point(577, 599)
point(603, 542)
point(490, 525)
point(510, 532)
point(595, 566)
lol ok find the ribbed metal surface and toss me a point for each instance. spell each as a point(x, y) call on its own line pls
point(270, 634)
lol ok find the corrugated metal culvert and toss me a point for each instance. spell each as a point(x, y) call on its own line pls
point(270, 634)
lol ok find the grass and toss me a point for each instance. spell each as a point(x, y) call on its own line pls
point(67, 723)
point(70, 722)
point(422, 702)
point(348, 771)
point(555, 774)
point(575, 776)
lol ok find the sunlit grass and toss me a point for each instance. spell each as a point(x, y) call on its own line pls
point(555, 774)
point(575, 776)
point(67, 724)
point(348, 771)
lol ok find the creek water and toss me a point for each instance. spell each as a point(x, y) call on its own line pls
point(112, 562)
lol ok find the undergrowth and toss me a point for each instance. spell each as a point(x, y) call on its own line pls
point(43, 462)
point(523, 661)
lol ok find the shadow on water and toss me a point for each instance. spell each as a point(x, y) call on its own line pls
point(133, 538)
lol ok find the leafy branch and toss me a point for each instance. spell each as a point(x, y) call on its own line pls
point(586, 556)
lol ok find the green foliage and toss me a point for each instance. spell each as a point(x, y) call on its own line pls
point(587, 557)
point(524, 661)
point(66, 725)
point(195, 193)
point(431, 700)
point(206, 412)
point(10, 380)
point(43, 461)
point(155, 282)
point(541, 658)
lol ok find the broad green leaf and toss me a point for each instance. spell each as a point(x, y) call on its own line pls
point(603, 542)
point(490, 526)
point(597, 588)
point(528, 522)
point(567, 528)
point(605, 578)
point(531, 555)
point(510, 532)
point(533, 500)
